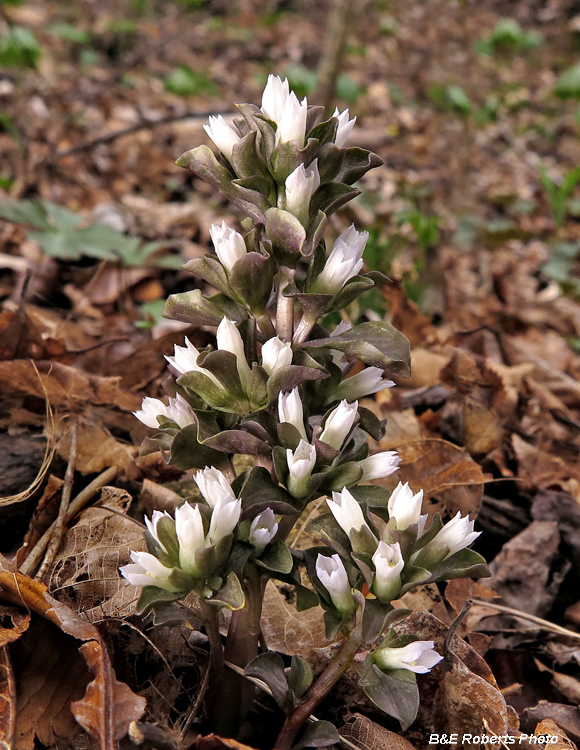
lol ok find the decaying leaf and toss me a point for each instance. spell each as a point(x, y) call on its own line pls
point(7, 700)
point(288, 631)
point(108, 706)
point(368, 735)
point(214, 742)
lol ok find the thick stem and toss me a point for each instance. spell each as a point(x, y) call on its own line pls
point(319, 690)
point(285, 305)
point(235, 694)
point(303, 330)
point(216, 653)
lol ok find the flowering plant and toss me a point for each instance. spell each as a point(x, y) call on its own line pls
point(277, 387)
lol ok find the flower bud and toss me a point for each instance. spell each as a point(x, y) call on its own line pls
point(344, 262)
point(300, 186)
point(146, 570)
point(333, 576)
point(455, 535)
point(405, 507)
point(281, 105)
point(229, 340)
point(300, 465)
point(213, 485)
point(222, 134)
point(290, 410)
point(347, 512)
point(224, 518)
point(190, 535)
point(389, 563)
point(185, 360)
point(152, 526)
point(229, 244)
point(263, 528)
point(274, 97)
point(362, 384)
point(276, 355)
point(379, 466)
point(178, 411)
point(344, 127)
point(338, 424)
point(418, 657)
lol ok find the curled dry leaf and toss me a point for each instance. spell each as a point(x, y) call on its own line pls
point(288, 631)
point(108, 706)
point(368, 735)
point(214, 742)
point(7, 700)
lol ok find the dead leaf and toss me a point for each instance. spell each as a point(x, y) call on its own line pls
point(288, 631)
point(109, 706)
point(368, 735)
point(526, 572)
point(566, 717)
point(7, 701)
point(402, 427)
point(213, 742)
point(425, 599)
point(20, 623)
point(547, 726)
point(97, 448)
point(85, 573)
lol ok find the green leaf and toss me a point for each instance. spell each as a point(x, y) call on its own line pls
point(286, 233)
point(300, 677)
point(19, 48)
point(270, 669)
point(29, 213)
point(231, 594)
point(277, 558)
point(187, 453)
point(69, 33)
point(209, 269)
point(251, 280)
point(376, 343)
point(319, 734)
point(396, 697)
point(184, 81)
point(568, 85)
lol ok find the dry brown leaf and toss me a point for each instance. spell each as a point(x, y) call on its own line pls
point(97, 449)
point(20, 622)
point(402, 427)
point(85, 575)
point(288, 631)
point(368, 735)
point(547, 726)
point(448, 475)
point(425, 599)
point(214, 742)
point(567, 718)
point(7, 701)
point(108, 706)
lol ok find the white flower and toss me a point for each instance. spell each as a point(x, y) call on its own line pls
point(300, 465)
point(224, 518)
point(152, 526)
point(263, 528)
point(369, 380)
point(344, 127)
point(456, 535)
point(282, 106)
point(146, 570)
point(178, 411)
point(417, 657)
point(185, 360)
point(150, 408)
point(380, 465)
point(300, 186)
point(333, 576)
point(213, 485)
point(222, 134)
point(338, 424)
point(405, 507)
point(229, 340)
point(276, 355)
point(389, 563)
point(344, 262)
point(274, 97)
point(290, 410)
point(190, 535)
point(347, 511)
point(229, 244)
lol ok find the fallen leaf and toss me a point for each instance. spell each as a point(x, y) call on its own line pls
point(547, 726)
point(368, 735)
point(7, 701)
point(288, 631)
point(20, 623)
point(108, 706)
point(214, 742)
point(566, 717)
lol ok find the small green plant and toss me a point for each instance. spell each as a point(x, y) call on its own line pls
point(19, 48)
point(509, 37)
point(184, 81)
point(564, 256)
point(426, 228)
point(559, 193)
point(568, 84)
point(450, 98)
point(69, 33)
point(59, 233)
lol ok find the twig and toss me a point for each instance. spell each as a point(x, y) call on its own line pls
point(455, 624)
point(144, 124)
point(59, 524)
point(545, 624)
point(33, 559)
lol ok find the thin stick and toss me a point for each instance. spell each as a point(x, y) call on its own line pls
point(545, 624)
point(59, 525)
point(33, 559)
point(143, 124)
point(285, 306)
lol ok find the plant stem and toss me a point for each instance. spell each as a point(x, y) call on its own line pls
point(235, 694)
point(285, 305)
point(216, 652)
point(265, 325)
point(319, 690)
point(303, 329)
